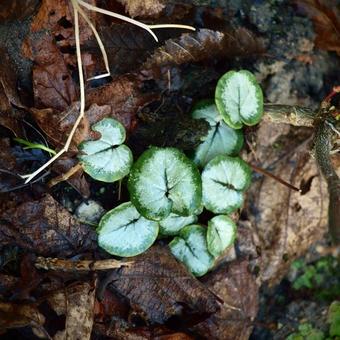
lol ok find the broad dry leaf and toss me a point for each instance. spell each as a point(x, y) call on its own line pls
point(17, 9)
point(9, 100)
point(79, 310)
point(236, 286)
point(53, 85)
point(286, 222)
point(158, 287)
point(124, 96)
point(146, 8)
point(46, 228)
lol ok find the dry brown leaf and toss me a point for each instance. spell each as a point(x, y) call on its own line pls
point(286, 222)
point(158, 287)
point(236, 286)
point(124, 96)
point(17, 9)
point(57, 125)
point(44, 227)
point(53, 85)
point(14, 315)
point(326, 18)
point(202, 45)
point(9, 116)
point(79, 309)
point(146, 8)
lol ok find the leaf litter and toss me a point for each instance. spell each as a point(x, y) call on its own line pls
point(151, 88)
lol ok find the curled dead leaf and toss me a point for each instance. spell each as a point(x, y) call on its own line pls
point(202, 45)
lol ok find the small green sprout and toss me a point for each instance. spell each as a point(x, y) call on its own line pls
point(30, 145)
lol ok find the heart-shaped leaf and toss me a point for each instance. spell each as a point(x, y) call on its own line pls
point(239, 99)
point(173, 224)
point(106, 159)
point(190, 247)
point(124, 232)
point(224, 180)
point(220, 140)
point(221, 234)
point(164, 180)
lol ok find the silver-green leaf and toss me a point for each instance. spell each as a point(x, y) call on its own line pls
point(106, 159)
point(239, 99)
point(173, 224)
point(124, 232)
point(221, 234)
point(164, 180)
point(190, 247)
point(220, 140)
point(224, 179)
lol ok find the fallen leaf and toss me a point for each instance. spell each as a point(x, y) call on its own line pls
point(9, 100)
point(158, 287)
point(8, 167)
point(7, 284)
point(79, 305)
point(58, 125)
point(286, 222)
point(127, 47)
point(17, 9)
point(124, 96)
point(236, 286)
point(326, 18)
point(46, 228)
point(147, 8)
point(202, 45)
point(14, 315)
point(53, 85)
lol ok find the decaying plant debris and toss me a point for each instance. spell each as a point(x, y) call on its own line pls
point(55, 282)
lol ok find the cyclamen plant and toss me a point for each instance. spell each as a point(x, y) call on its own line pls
point(167, 190)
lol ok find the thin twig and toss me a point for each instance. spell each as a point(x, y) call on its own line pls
point(55, 264)
point(65, 176)
point(278, 179)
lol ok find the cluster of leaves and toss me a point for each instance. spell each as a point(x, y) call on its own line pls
point(167, 190)
point(307, 331)
point(321, 277)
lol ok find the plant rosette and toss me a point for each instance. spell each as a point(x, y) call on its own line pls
point(224, 180)
point(190, 247)
point(164, 180)
point(106, 159)
point(221, 234)
point(239, 99)
point(220, 140)
point(124, 232)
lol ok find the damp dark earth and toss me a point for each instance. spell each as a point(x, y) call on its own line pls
point(170, 169)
